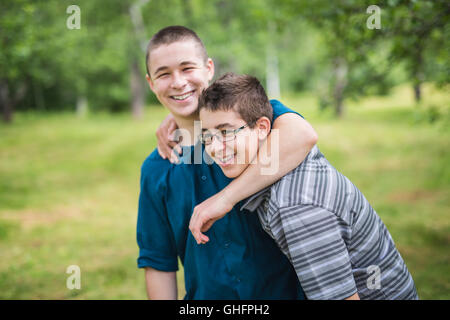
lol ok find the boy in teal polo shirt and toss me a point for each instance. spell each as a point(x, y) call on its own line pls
point(238, 261)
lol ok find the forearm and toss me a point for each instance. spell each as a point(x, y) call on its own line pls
point(161, 285)
point(284, 149)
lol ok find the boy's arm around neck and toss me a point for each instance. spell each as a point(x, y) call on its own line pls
point(279, 154)
point(289, 147)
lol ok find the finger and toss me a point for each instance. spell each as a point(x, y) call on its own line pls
point(205, 239)
point(164, 150)
point(192, 227)
point(197, 233)
point(199, 236)
point(202, 239)
point(161, 154)
point(199, 228)
point(161, 138)
point(171, 128)
point(175, 145)
point(192, 230)
point(171, 137)
point(174, 158)
point(172, 144)
point(207, 225)
point(167, 149)
point(161, 146)
point(178, 149)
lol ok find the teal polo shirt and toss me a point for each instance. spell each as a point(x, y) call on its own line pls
point(241, 261)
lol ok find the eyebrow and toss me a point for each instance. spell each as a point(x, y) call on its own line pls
point(220, 126)
point(184, 63)
point(187, 62)
point(160, 69)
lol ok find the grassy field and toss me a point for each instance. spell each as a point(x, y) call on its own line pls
point(69, 189)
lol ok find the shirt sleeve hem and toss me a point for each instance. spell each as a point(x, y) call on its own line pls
point(145, 263)
point(275, 104)
point(146, 259)
point(341, 295)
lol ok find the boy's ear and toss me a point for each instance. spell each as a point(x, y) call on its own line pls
point(150, 82)
point(210, 67)
point(263, 125)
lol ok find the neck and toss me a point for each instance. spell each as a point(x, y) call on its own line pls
point(188, 129)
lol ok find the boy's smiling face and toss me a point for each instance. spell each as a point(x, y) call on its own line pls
point(232, 156)
point(178, 75)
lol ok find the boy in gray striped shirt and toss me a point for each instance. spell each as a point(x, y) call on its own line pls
point(335, 240)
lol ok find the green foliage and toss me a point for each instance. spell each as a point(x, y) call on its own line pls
point(312, 40)
point(419, 31)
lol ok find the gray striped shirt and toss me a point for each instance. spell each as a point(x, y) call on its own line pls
point(335, 240)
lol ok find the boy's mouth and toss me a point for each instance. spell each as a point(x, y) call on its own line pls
point(226, 161)
point(183, 96)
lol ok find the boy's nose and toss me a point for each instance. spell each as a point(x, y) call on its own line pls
point(217, 147)
point(178, 81)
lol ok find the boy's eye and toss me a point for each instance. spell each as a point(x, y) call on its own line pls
point(226, 133)
point(163, 75)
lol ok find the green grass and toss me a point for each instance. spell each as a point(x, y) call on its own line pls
point(69, 190)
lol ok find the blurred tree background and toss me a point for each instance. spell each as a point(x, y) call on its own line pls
point(291, 45)
point(78, 119)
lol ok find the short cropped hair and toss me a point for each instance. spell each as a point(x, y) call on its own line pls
point(241, 93)
point(171, 34)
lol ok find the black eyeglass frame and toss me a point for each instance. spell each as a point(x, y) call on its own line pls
point(221, 137)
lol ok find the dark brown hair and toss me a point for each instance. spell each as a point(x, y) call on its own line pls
point(242, 93)
point(171, 34)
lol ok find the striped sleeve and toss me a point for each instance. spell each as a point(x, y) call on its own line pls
point(317, 251)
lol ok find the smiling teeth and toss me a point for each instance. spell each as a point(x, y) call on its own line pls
point(226, 159)
point(184, 96)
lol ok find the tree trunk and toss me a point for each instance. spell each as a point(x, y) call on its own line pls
point(7, 110)
point(417, 72)
point(5, 102)
point(137, 90)
point(138, 23)
point(339, 108)
point(137, 87)
point(273, 76)
point(82, 106)
point(340, 74)
point(272, 72)
point(417, 92)
point(7, 113)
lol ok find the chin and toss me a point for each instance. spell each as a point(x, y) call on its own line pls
point(188, 112)
point(232, 174)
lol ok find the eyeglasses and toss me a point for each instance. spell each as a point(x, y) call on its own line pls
point(222, 136)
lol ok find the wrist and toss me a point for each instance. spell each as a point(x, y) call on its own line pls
point(229, 197)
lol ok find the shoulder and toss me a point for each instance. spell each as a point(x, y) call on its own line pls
point(280, 109)
point(154, 163)
point(306, 184)
point(154, 170)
